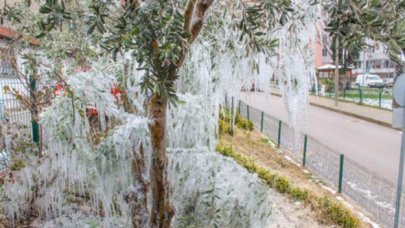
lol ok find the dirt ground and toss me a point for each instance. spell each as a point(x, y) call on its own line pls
point(265, 153)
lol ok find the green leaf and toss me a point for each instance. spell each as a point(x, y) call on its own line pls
point(45, 9)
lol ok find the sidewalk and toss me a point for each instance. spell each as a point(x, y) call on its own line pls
point(374, 115)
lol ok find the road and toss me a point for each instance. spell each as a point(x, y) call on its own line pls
point(375, 147)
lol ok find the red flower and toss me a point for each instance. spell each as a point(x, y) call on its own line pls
point(59, 89)
point(117, 92)
point(91, 112)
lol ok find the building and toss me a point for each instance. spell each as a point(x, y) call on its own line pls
point(324, 62)
point(375, 60)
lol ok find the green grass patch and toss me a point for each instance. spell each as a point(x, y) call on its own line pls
point(367, 94)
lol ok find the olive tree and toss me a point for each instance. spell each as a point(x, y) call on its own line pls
point(160, 36)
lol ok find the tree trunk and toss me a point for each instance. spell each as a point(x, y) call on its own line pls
point(162, 210)
point(137, 196)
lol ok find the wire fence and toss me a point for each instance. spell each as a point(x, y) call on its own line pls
point(371, 191)
point(379, 98)
point(11, 109)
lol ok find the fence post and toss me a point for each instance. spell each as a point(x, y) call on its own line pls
point(247, 110)
point(342, 158)
point(279, 134)
point(34, 110)
point(232, 124)
point(304, 157)
point(232, 101)
point(344, 94)
point(380, 97)
point(361, 95)
point(261, 122)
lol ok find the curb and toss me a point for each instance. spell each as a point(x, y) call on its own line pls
point(381, 123)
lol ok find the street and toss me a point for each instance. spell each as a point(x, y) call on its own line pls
point(373, 146)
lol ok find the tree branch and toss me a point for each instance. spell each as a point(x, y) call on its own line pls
point(188, 15)
point(200, 10)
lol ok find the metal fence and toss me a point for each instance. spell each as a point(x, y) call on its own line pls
point(379, 98)
point(371, 191)
point(14, 117)
point(10, 108)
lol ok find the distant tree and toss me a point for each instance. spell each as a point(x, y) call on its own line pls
point(352, 22)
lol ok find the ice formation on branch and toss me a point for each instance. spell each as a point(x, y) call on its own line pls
point(84, 174)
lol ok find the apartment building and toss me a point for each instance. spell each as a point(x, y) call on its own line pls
point(375, 60)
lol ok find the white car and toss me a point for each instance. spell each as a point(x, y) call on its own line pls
point(369, 80)
point(389, 82)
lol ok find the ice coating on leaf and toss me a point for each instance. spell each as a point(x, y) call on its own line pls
point(297, 63)
point(227, 195)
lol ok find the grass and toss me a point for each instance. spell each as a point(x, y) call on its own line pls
point(353, 96)
point(367, 94)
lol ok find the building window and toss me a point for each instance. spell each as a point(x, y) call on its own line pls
point(377, 64)
point(325, 40)
point(324, 52)
point(386, 64)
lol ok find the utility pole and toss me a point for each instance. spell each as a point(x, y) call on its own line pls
point(399, 96)
point(337, 71)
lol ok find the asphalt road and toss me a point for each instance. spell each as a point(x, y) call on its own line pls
point(375, 147)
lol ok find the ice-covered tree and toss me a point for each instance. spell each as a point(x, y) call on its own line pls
point(177, 55)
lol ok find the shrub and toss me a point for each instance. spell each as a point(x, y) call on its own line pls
point(17, 164)
point(225, 117)
point(224, 126)
point(264, 140)
point(299, 194)
point(266, 176)
point(282, 185)
point(337, 213)
point(243, 123)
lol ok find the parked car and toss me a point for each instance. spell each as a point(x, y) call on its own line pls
point(389, 82)
point(369, 80)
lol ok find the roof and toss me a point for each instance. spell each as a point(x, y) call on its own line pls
point(331, 67)
point(10, 34)
point(328, 67)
